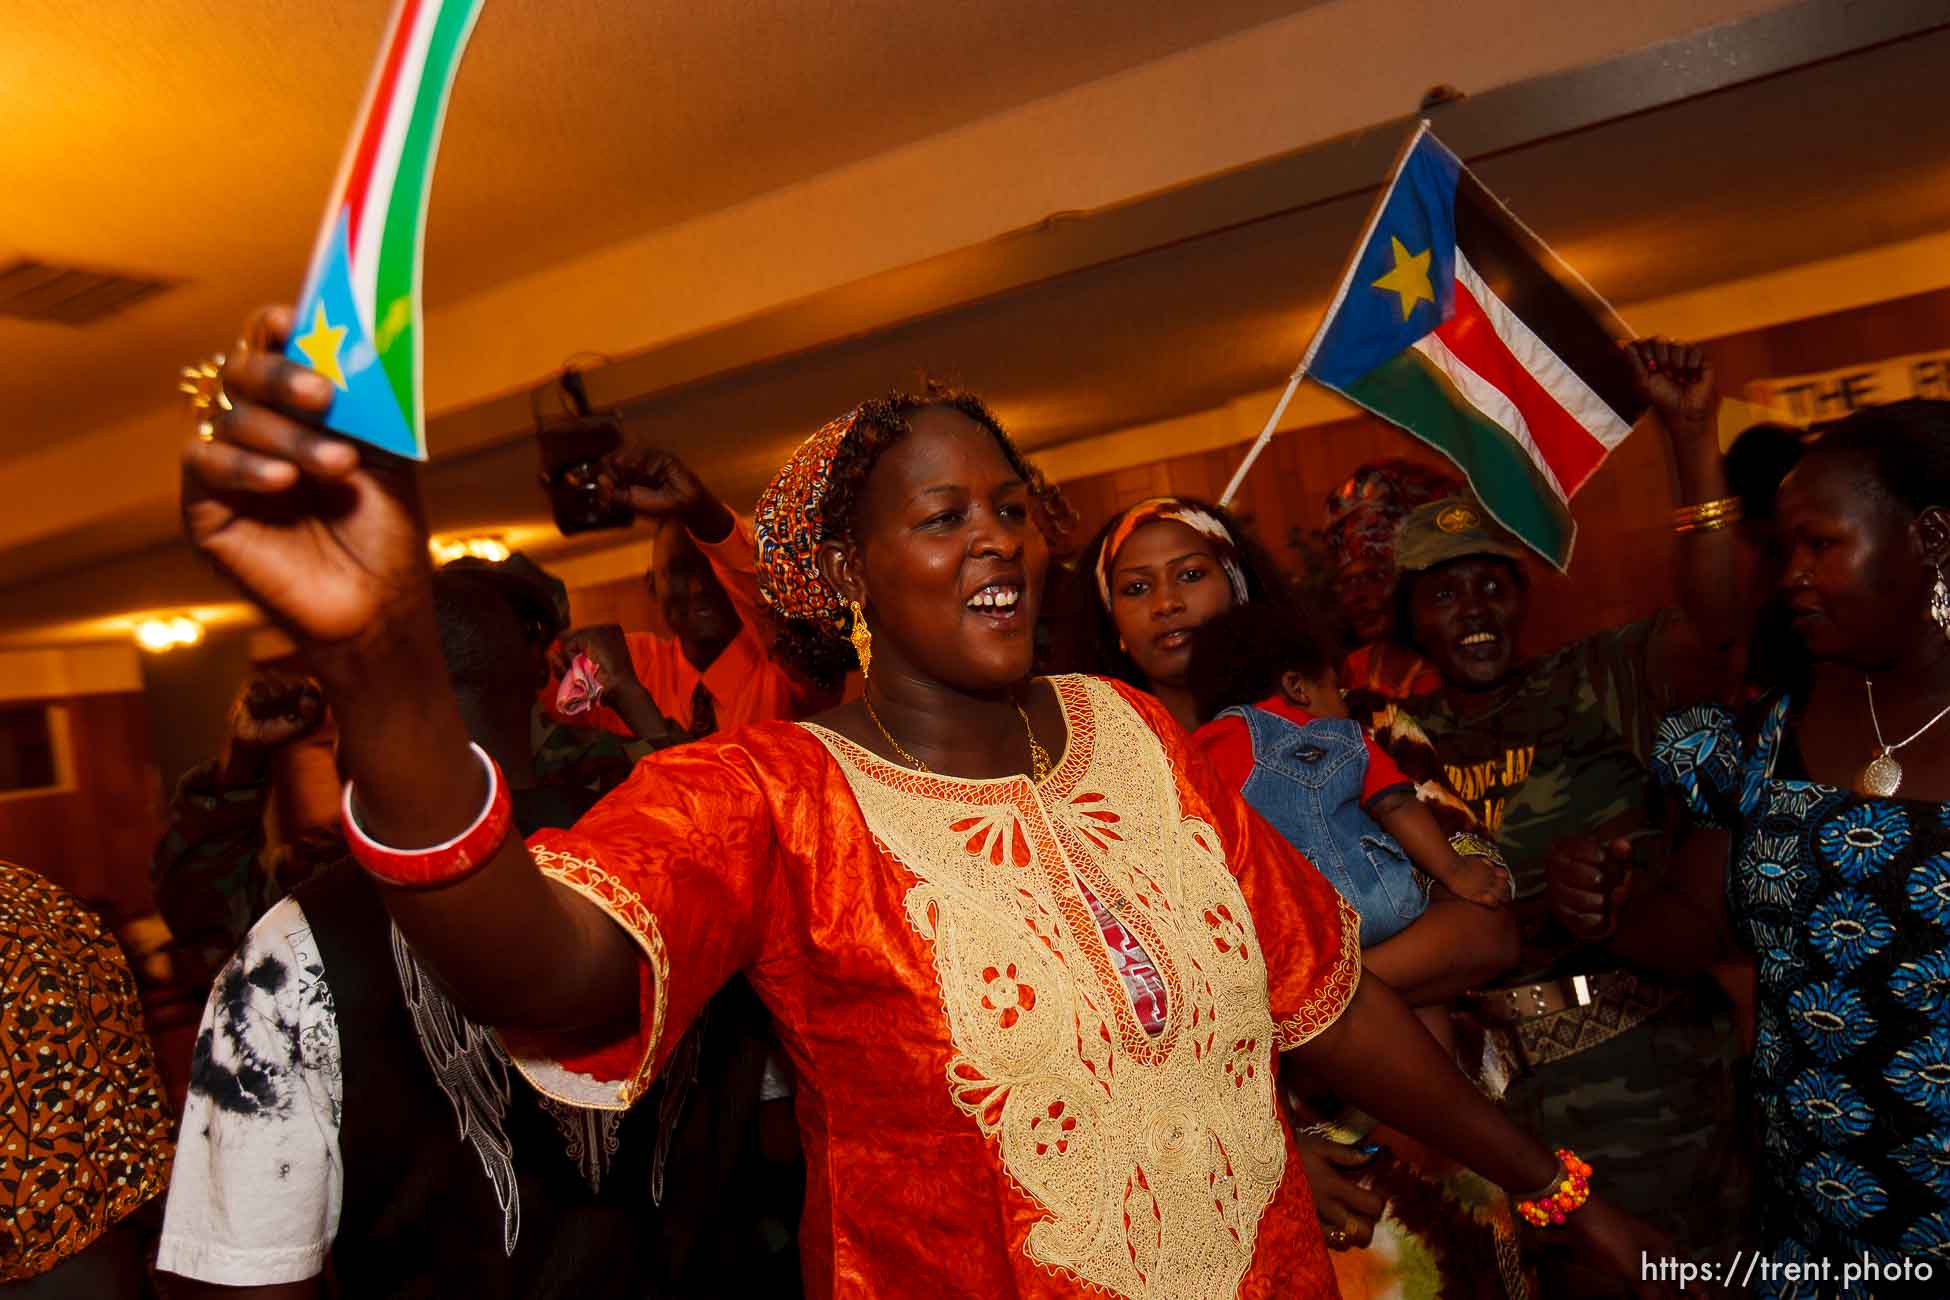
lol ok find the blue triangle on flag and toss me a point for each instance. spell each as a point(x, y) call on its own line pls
point(366, 408)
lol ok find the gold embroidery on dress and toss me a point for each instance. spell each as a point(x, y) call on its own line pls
point(621, 904)
point(1332, 997)
point(1154, 1157)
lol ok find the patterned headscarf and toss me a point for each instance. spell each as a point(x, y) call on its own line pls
point(789, 523)
point(1200, 520)
point(1365, 512)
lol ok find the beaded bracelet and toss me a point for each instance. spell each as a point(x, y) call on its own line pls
point(438, 864)
point(1567, 1191)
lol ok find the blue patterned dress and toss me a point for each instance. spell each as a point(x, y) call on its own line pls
point(1845, 903)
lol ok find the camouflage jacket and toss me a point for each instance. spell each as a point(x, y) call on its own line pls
point(1566, 749)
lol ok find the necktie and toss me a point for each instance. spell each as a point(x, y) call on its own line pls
point(704, 713)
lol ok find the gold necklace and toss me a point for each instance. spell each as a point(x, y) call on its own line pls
point(1038, 756)
point(1881, 777)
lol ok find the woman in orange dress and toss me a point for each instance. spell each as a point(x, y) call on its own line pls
point(1032, 967)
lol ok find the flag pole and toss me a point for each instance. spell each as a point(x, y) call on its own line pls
point(1320, 331)
point(1265, 436)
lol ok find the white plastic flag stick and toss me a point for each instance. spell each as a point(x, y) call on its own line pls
point(1265, 436)
point(1327, 318)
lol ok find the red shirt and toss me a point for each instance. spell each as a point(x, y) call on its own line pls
point(746, 683)
point(1408, 676)
point(1226, 745)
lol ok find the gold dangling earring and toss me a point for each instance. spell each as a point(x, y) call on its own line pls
point(863, 639)
point(1940, 604)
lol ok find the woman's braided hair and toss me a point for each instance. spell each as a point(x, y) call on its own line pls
point(819, 646)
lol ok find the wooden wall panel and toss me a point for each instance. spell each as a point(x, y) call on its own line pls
point(95, 839)
point(1918, 323)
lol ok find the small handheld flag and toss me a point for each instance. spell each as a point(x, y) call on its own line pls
point(1457, 323)
point(358, 319)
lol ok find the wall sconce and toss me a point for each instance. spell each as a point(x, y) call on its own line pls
point(447, 550)
point(160, 635)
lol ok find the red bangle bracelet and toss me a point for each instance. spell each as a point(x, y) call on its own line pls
point(440, 864)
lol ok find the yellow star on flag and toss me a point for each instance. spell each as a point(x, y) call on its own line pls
point(1409, 277)
point(321, 346)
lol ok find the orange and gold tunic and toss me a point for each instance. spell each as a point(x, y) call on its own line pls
point(983, 1112)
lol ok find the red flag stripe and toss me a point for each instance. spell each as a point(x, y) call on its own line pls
point(1567, 447)
point(360, 178)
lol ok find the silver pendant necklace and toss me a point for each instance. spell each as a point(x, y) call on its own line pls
point(1884, 775)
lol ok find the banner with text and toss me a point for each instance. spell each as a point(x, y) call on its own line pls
point(1832, 394)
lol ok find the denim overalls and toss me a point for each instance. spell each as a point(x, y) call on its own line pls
point(1306, 780)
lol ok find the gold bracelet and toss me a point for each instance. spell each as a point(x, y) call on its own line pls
point(1707, 525)
point(1700, 510)
point(1707, 516)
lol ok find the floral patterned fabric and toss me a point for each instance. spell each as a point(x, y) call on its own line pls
point(84, 1136)
point(1845, 902)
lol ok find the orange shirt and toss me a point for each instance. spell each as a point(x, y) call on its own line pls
point(746, 683)
point(982, 1109)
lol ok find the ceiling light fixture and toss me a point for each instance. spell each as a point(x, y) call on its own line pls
point(448, 549)
point(161, 635)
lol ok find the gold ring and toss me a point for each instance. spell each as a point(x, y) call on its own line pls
point(1337, 1238)
point(202, 384)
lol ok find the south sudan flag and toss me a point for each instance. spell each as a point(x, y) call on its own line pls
point(359, 316)
point(1457, 323)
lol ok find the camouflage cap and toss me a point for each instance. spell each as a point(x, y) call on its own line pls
point(1451, 529)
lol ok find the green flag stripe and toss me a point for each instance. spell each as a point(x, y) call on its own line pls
point(399, 247)
point(1408, 390)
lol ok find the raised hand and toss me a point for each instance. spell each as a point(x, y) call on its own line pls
point(1678, 380)
point(327, 539)
point(659, 485)
point(607, 649)
point(274, 709)
point(323, 536)
point(605, 646)
point(271, 710)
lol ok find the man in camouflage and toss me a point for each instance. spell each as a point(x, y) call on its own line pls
point(1635, 1073)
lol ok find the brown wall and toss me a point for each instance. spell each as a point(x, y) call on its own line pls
point(1918, 323)
point(94, 840)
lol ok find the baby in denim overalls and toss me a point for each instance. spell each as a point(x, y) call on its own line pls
point(1277, 729)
